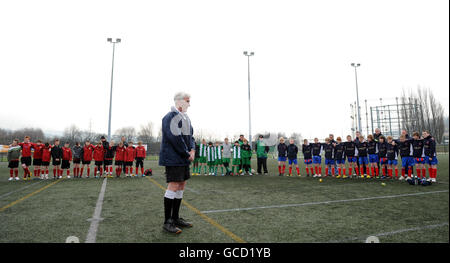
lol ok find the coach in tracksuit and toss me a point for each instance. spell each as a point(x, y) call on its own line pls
point(176, 153)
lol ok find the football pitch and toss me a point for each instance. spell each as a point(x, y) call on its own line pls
point(255, 208)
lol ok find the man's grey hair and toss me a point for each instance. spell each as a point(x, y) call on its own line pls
point(181, 96)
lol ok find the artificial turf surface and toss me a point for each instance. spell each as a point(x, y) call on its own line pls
point(259, 208)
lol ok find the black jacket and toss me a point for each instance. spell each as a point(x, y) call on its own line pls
point(350, 149)
point(292, 151)
point(362, 149)
point(371, 147)
point(317, 148)
point(429, 145)
point(282, 150)
point(382, 149)
point(339, 151)
point(329, 150)
point(57, 152)
point(307, 151)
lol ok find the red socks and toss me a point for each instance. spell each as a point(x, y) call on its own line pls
point(290, 170)
point(11, 172)
point(298, 171)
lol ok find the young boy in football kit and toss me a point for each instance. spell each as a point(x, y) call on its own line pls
point(140, 156)
point(99, 156)
point(37, 158)
point(57, 154)
point(13, 160)
point(307, 157)
point(130, 155)
point(292, 157)
point(392, 157)
point(66, 159)
point(363, 161)
point(246, 151)
point(211, 154)
point(317, 149)
point(46, 157)
point(86, 158)
point(339, 157)
point(236, 150)
point(429, 146)
point(120, 158)
point(26, 157)
point(351, 153)
point(282, 156)
point(372, 151)
point(218, 161)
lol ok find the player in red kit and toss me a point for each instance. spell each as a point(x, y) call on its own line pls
point(140, 156)
point(66, 159)
point(37, 158)
point(86, 157)
point(26, 156)
point(46, 157)
point(99, 155)
point(120, 157)
point(130, 155)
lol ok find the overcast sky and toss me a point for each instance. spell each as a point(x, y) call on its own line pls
point(55, 62)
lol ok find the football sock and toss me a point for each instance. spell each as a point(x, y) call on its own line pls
point(320, 170)
point(349, 171)
point(409, 171)
point(284, 168)
point(339, 171)
point(312, 170)
point(326, 170)
point(54, 172)
point(419, 175)
point(290, 170)
point(169, 197)
point(176, 204)
point(377, 171)
point(434, 172)
point(279, 169)
point(316, 169)
point(298, 171)
point(403, 172)
point(332, 170)
point(362, 170)
point(396, 172)
point(367, 170)
point(16, 173)
point(343, 170)
point(11, 173)
point(424, 173)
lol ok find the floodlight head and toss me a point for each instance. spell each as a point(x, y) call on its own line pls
point(109, 39)
point(358, 65)
point(245, 53)
point(252, 53)
point(118, 40)
point(353, 64)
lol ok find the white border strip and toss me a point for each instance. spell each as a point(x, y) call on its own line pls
point(95, 220)
point(320, 203)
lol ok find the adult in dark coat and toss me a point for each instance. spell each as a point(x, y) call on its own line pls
point(176, 153)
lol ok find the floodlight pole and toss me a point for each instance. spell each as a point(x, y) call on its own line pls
point(110, 93)
point(249, 54)
point(357, 96)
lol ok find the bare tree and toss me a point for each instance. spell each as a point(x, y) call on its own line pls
point(145, 134)
point(128, 132)
point(72, 134)
point(421, 111)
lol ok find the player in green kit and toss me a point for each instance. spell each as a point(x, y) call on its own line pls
point(195, 167)
point(218, 148)
point(246, 151)
point(210, 155)
point(202, 157)
point(236, 151)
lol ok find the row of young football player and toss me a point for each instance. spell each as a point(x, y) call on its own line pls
point(366, 157)
point(211, 157)
point(41, 155)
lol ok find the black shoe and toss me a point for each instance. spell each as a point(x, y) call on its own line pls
point(280, 175)
point(170, 227)
point(182, 223)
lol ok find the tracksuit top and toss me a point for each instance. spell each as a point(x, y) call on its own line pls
point(316, 149)
point(282, 150)
point(339, 151)
point(429, 145)
point(328, 149)
point(362, 149)
point(391, 151)
point(350, 149)
point(372, 147)
point(418, 150)
point(307, 151)
point(292, 151)
point(382, 149)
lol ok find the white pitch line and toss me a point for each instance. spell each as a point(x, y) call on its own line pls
point(95, 220)
point(18, 190)
point(320, 203)
point(391, 232)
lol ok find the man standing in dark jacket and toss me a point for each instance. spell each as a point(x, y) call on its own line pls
point(57, 154)
point(176, 153)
